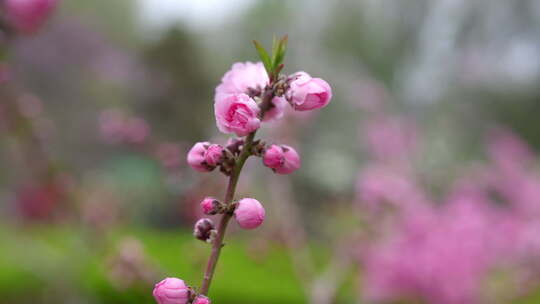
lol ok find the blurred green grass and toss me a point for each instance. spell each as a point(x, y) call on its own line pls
point(45, 264)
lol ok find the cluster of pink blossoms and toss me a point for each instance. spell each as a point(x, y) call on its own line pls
point(248, 95)
point(445, 251)
point(28, 16)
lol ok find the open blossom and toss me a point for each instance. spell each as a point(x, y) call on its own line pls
point(243, 77)
point(249, 214)
point(237, 114)
point(307, 93)
point(171, 291)
point(27, 16)
point(282, 159)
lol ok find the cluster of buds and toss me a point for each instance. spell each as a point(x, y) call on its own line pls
point(25, 16)
point(248, 95)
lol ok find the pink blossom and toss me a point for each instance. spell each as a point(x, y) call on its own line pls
point(277, 109)
point(380, 186)
point(171, 291)
point(243, 77)
point(118, 127)
point(27, 16)
point(281, 159)
point(390, 137)
point(196, 157)
point(236, 114)
point(201, 300)
point(209, 205)
point(307, 93)
point(169, 155)
point(213, 155)
point(136, 130)
point(249, 213)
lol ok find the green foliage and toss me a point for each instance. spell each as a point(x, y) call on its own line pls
point(48, 265)
point(274, 63)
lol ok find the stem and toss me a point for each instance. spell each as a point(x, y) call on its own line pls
point(217, 244)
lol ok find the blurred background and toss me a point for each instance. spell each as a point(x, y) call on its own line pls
point(419, 183)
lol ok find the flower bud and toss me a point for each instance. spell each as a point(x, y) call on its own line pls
point(308, 93)
point(204, 230)
point(213, 155)
point(204, 157)
point(281, 159)
point(171, 291)
point(201, 300)
point(249, 213)
point(27, 16)
point(210, 206)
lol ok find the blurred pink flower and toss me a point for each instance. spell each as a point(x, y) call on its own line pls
point(380, 186)
point(118, 127)
point(28, 16)
point(277, 109)
point(213, 155)
point(169, 154)
point(390, 137)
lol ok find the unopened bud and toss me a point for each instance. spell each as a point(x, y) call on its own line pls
point(204, 229)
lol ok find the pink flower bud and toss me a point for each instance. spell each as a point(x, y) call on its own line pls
point(27, 16)
point(210, 206)
point(249, 213)
point(213, 155)
point(197, 159)
point(201, 300)
point(204, 228)
point(308, 93)
point(237, 113)
point(171, 291)
point(281, 159)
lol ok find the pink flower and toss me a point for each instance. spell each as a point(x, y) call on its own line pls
point(27, 16)
point(276, 109)
point(213, 155)
point(237, 114)
point(210, 205)
point(201, 300)
point(249, 213)
point(244, 78)
point(196, 157)
point(171, 291)
point(308, 93)
point(281, 159)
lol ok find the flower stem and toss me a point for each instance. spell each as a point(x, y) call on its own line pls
point(217, 244)
point(225, 218)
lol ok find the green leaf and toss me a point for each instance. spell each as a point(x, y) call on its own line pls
point(279, 53)
point(265, 58)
